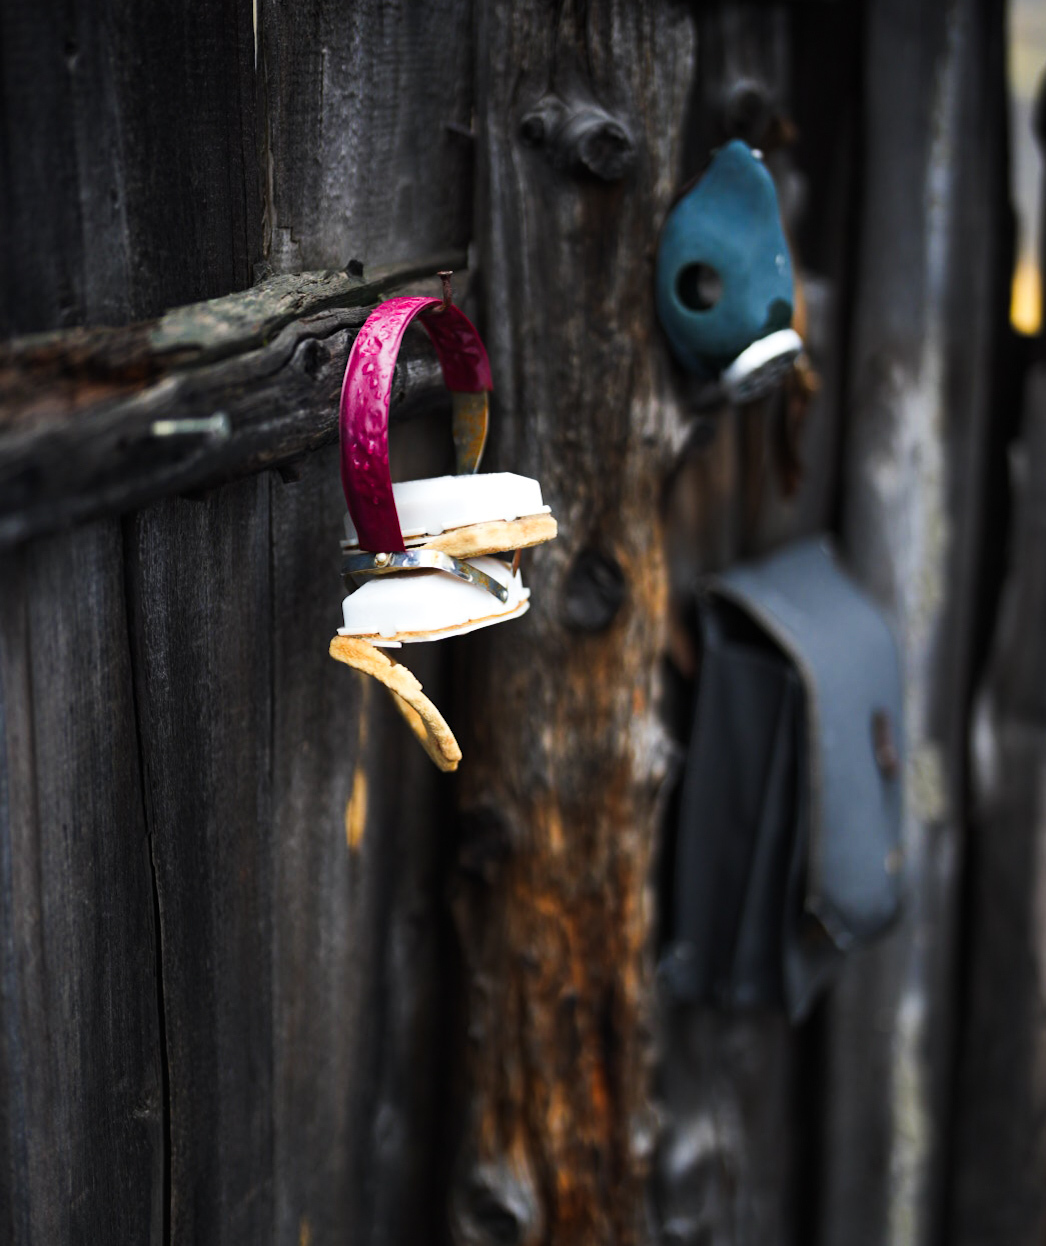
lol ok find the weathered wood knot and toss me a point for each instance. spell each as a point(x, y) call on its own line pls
point(313, 356)
point(497, 1205)
point(485, 842)
point(594, 591)
point(750, 111)
point(747, 110)
point(580, 135)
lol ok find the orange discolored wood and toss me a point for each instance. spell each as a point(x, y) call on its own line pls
point(579, 123)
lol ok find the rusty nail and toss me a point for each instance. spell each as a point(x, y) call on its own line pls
point(448, 293)
point(515, 560)
point(886, 757)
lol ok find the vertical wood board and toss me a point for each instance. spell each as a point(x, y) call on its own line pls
point(356, 999)
point(200, 592)
point(578, 115)
point(927, 306)
point(128, 146)
point(81, 1097)
point(1000, 1097)
point(367, 151)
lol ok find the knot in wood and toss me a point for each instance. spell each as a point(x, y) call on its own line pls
point(747, 111)
point(313, 357)
point(594, 591)
point(497, 1205)
point(598, 142)
point(581, 136)
point(485, 843)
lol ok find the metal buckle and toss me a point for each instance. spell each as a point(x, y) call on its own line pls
point(422, 560)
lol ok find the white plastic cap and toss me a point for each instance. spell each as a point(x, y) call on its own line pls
point(759, 367)
point(417, 606)
point(429, 507)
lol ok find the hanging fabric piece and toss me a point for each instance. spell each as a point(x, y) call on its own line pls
point(788, 849)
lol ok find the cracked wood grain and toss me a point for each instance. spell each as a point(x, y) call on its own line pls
point(931, 290)
point(565, 756)
point(79, 409)
point(1000, 1108)
point(131, 178)
point(82, 1109)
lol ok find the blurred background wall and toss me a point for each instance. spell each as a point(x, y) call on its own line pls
point(264, 974)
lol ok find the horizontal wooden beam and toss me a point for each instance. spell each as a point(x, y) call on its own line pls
point(97, 421)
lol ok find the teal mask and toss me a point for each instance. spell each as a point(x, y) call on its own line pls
point(724, 276)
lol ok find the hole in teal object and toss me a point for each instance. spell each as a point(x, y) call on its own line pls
point(699, 287)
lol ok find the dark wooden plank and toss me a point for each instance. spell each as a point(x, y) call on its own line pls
point(356, 981)
point(201, 612)
point(999, 1140)
point(85, 416)
point(191, 177)
point(728, 1159)
point(737, 1118)
point(319, 725)
point(41, 253)
point(366, 122)
point(929, 300)
point(361, 165)
point(997, 1193)
point(236, 996)
point(130, 160)
point(81, 1095)
point(399, 1105)
point(564, 752)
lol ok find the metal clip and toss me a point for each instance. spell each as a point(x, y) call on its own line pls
point(419, 560)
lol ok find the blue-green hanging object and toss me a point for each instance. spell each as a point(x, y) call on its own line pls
point(724, 277)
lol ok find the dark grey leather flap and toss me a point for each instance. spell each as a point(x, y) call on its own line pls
point(848, 664)
point(734, 851)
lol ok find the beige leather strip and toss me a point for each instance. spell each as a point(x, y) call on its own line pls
point(494, 537)
point(461, 629)
point(427, 723)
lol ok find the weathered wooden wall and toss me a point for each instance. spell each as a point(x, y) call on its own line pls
point(929, 311)
point(130, 177)
point(220, 1014)
point(228, 1012)
point(579, 146)
point(733, 1087)
point(996, 1192)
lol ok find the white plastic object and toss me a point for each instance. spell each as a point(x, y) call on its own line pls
point(759, 367)
point(429, 507)
point(414, 606)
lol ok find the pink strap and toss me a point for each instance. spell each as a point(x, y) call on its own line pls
point(365, 394)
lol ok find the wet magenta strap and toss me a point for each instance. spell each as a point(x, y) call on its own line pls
point(365, 394)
